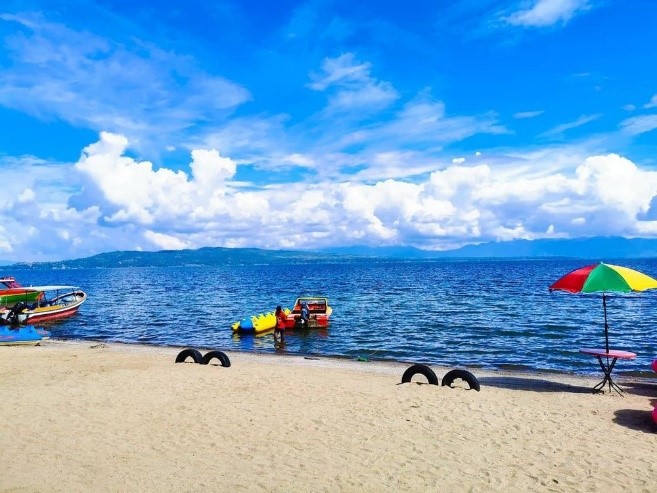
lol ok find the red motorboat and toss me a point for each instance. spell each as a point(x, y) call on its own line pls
point(310, 312)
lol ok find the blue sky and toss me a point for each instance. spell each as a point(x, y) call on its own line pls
point(304, 125)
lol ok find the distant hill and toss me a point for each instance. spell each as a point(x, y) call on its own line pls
point(586, 248)
point(398, 252)
point(202, 256)
point(590, 248)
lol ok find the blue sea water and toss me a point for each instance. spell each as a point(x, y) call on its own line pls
point(475, 313)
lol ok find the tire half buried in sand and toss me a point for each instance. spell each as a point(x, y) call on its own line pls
point(422, 370)
point(185, 353)
point(223, 359)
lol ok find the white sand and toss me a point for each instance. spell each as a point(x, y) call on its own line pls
point(84, 416)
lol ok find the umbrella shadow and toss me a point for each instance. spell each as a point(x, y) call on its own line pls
point(635, 419)
point(532, 384)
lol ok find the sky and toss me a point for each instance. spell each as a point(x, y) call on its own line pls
point(313, 124)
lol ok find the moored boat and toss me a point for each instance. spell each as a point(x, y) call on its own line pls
point(54, 302)
point(11, 292)
point(309, 312)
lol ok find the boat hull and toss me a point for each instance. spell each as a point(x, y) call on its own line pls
point(9, 297)
point(319, 314)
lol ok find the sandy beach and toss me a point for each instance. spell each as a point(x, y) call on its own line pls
point(86, 416)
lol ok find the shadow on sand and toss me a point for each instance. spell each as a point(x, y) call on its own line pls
point(648, 389)
point(636, 419)
point(532, 384)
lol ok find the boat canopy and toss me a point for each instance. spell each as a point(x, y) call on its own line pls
point(50, 288)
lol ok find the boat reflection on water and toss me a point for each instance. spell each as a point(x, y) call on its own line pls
point(295, 341)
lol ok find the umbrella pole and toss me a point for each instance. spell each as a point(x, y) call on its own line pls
point(604, 307)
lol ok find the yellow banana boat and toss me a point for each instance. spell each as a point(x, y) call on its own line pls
point(256, 324)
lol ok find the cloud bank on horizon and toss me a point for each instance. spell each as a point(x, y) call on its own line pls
point(305, 125)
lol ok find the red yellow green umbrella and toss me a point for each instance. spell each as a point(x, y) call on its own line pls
point(604, 278)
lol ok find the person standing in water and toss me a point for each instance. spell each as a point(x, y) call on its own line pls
point(281, 318)
point(305, 315)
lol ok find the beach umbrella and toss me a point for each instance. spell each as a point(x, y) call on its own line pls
point(604, 278)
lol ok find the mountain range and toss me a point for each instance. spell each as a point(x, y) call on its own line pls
point(598, 248)
point(586, 248)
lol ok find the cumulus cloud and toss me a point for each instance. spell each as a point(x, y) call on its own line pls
point(116, 202)
point(136, 192)
point(543, 13)
point(108, 200)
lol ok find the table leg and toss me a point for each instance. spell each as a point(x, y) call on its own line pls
point(607, 369)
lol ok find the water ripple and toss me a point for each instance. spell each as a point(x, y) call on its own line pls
point(489, 314)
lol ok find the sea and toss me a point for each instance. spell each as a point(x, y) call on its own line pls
point(492, 314)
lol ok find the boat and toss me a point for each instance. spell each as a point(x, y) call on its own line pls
point(257, 324)
point(54, 302)
point(26, 335)
point(11, 292)
point(318, 316)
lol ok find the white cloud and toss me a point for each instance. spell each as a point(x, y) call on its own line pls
point(458, 160)
point(210, 170)
point(342, 70)
point(639, 124)
point(26, 195)
point(528, 114)
point(299, 160)
point(138, 193)
point(370, 96)
point(166, 242)
point(542, 13)
point(629, 107)
point(125, 86)
point(424, 120)
point(652, 103)
point(559, 129)
point(115, 202)
point(356, 88)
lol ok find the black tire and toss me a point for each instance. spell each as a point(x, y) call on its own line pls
point(216, 354)
point(422, 370)
point(464, 375)
point(185, 353)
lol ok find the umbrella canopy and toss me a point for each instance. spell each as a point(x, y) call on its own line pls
point(604, 278)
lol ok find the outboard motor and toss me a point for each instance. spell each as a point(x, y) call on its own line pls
point(12, 316)
point(302, 321)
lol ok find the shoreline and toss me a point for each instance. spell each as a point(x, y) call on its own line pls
point(384, 366)
point(592, 374)
point(125, 417)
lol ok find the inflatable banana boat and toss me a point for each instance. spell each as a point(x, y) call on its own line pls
point(257, 323)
